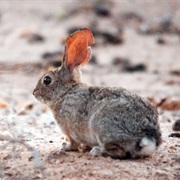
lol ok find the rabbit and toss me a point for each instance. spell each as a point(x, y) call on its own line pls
point(110, 121)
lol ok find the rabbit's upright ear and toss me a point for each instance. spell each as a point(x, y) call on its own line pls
point(77, 50)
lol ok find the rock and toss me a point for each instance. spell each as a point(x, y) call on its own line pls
point(132, 68)
point(176, 125)
point(5, 136)
point(168, 104)
point(165, 22)
point(53, 59)
point(126, 65)
point(119, 61)
point(55, 63)
point(22, 112)
point(112, 38)
point(93, 60)
point(52, 55)
point(25, 108)
point(34, 38)
point(161, 41)
point(145, 28)
point(175, 135)
point(28, 106)
point(175, 72)
point(31, 35)
point(101, 10)
point(52, 123)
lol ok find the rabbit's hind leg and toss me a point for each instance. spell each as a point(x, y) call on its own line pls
point(114, 151)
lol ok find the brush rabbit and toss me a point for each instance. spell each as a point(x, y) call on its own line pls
point(111, 121)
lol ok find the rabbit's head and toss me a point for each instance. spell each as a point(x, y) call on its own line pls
point(54, 84)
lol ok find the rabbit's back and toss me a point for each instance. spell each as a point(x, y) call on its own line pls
point(109, 109)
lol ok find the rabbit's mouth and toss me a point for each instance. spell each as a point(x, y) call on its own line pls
point(38, 96)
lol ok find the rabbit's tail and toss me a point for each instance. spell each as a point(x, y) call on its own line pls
point(146, 146)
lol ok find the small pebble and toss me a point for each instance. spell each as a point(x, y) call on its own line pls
point(5, 136)
point(52, 123)
point(101, 10)
point(132, 68)
point(165, 22)
point(34, 38)
point(161, 41)
point(53, 59)
point(55, 63)
point(52, 55)
point(145, 28)
point(175, 72)
point(112, 38)
point(93, 60)
point(119, 61)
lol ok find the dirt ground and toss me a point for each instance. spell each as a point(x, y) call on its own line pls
point(137, 47)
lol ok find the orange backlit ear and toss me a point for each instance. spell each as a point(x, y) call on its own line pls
point(77, 50)
point(89, 36)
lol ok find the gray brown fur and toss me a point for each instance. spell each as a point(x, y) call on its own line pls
point(111, 121)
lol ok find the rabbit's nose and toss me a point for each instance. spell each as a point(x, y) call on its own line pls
point(34, 91)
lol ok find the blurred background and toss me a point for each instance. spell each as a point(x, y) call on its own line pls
point(137, 43)
point(131, 37)
point(137, 46)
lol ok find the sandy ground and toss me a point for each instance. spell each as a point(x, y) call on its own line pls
point(32, 149)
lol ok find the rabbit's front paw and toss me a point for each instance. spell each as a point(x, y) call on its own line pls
point(65, 146)
point(96, 151)
point(68, 144)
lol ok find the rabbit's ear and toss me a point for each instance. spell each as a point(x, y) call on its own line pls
point(77, 50)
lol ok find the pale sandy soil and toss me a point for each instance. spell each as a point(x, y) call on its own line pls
point(33, 151)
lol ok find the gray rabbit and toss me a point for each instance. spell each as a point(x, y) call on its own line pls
point(111, 121)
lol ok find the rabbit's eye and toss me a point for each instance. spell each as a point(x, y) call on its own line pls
point(47, 80)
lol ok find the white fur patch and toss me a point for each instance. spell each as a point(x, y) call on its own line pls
point(148, 146)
